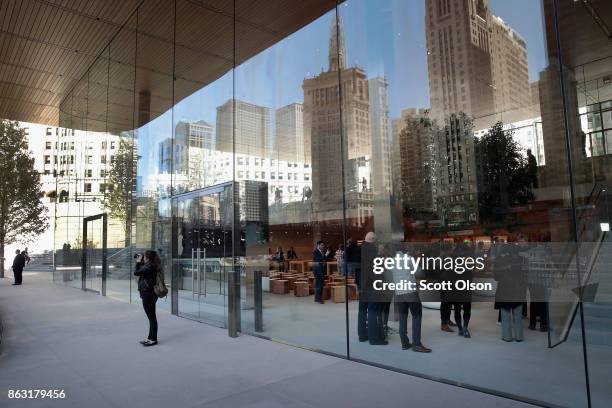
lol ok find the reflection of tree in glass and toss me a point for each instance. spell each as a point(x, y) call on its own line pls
point(504, 177)
point(121, 184)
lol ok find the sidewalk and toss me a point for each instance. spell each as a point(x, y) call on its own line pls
point(56, 337)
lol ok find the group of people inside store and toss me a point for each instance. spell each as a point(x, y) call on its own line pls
point(506, 263)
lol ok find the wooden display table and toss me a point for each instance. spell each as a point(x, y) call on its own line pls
point(353, 292)
point(297, 265)
point(279, 286)
point(338, 294)
point(301, 289)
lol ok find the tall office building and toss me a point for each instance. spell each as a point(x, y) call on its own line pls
point(379, 125)
point(416, 135)
point(477, 63)
point(289, 143)
point(459, 58)
point(381, 156)
point(456, 191)
point(511, 88)
point(194, 144)
point(252, 128)
point(321, 124)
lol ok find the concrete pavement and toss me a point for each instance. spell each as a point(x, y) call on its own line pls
point(58, 337)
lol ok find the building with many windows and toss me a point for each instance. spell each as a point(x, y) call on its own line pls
point(200, 105)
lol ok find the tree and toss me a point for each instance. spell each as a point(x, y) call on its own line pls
point(22, 213)
point(121, 186)
point(503, 173)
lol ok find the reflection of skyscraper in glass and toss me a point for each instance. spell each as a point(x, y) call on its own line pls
point(379, 124)
point(321, 126)
point(194, 143)
point(252, 128)
point(477, 64)
point(289, 134)
point(417, 137)
point(459, 58)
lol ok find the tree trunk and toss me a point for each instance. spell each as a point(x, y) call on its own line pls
point(1, 261)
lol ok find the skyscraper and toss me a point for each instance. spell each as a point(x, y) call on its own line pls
point(459, 58)
point(511, 88)
point(477, 63)
point(289, 141)
point(252, 128)
point(321, 126)
point(417, 138)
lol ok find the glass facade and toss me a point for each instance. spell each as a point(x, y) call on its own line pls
point(234, 137)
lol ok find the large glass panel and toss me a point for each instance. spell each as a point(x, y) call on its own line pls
point(289, 155)
point(153, 135)
point(585, 52)
point(117, 150)
point(202, 159)
point(69, 211)
point(202, 236)
point(456, 150)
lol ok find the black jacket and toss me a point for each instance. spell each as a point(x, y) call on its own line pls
point(146, 277)
point(19, 262)
point(353, 253)
point(319, 268)
point(510, 274)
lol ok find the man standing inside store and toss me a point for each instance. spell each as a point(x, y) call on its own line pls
point(18, 264)
point(369, 251)
point(320, 256)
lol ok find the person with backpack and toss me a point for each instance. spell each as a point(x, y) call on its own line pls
point(151, 287)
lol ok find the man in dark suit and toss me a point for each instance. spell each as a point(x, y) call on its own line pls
point(18, 265)
point(320, 256)
point(370, 302)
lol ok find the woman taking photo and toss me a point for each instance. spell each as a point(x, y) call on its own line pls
point(147, 267)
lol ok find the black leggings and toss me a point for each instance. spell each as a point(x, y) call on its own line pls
point(148, 303)
point(467, 311)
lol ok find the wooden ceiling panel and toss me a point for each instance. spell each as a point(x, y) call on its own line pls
point(48, 46)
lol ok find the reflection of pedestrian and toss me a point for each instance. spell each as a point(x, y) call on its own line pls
point(532, 170)
point(369, 305)
point(291, 254)
point(353, 260)
point(340, 259)
point(510, 294)
point(408, 301)
point(320, 256)
point(462, 299)
point(18, 265)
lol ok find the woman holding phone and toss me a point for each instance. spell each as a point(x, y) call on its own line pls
point(147, 266)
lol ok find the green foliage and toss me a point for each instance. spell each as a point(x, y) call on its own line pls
point(121, 185)
point(503, 171)
point(22, 213)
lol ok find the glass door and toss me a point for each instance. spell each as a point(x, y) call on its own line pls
point(94, 254)
point(203, 253)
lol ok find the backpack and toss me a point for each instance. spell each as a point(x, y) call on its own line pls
point(160, 288)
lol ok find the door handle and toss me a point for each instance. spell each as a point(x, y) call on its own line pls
point(199, 280)
point(204, 253)
point(192, 273)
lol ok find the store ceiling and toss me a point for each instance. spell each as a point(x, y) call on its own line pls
point(49, 48)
